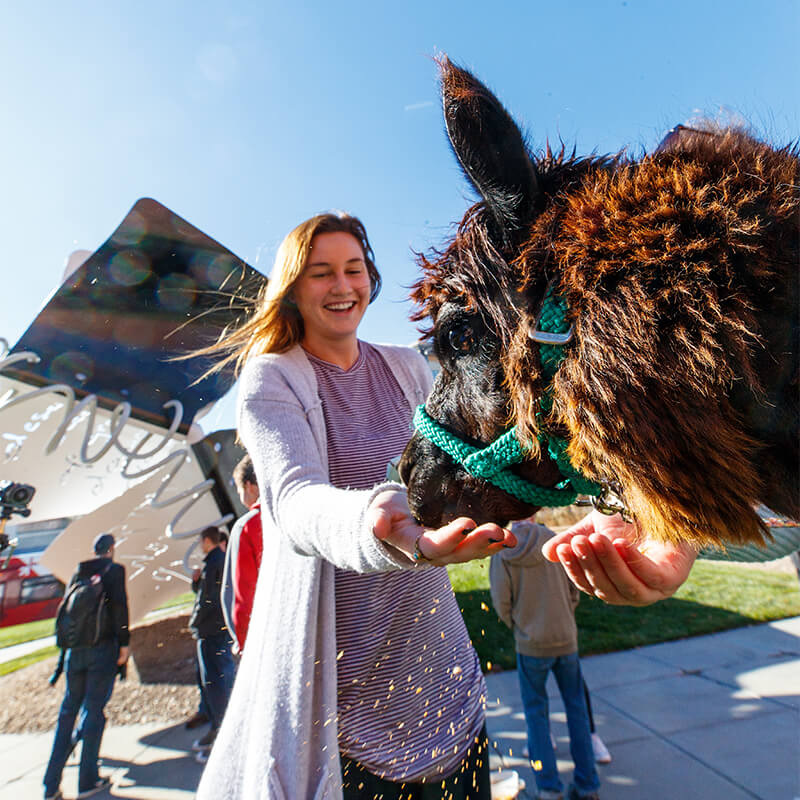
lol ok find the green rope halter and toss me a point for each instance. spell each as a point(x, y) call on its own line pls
point(492, 463)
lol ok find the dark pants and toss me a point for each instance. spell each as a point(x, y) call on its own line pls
point(470, 781)
point(217, 671)
point(202, 708)
point(90, 673)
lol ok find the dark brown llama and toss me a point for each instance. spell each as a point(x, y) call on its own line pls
point(679, 272)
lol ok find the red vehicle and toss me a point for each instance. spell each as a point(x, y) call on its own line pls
point(27, 591)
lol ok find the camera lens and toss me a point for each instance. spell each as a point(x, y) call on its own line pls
point(21, 495)
point(14, 497)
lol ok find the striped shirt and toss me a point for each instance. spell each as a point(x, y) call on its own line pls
point(410, 688)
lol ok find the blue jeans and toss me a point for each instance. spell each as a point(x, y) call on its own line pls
point(217, 671)
point(90, 673)
point(532, 673)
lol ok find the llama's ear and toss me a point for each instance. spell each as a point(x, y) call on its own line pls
point(489, 146)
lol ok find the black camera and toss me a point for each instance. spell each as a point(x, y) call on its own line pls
point(15, 498)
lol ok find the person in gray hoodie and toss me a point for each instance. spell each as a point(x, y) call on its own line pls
point(536, 600)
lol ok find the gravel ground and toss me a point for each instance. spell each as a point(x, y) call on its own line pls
point(160, 686)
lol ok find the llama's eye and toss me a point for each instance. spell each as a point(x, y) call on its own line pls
point(461, 338)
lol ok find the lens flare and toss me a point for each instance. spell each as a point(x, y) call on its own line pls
point(71, 366)
point(176, 292)
point(129, 268)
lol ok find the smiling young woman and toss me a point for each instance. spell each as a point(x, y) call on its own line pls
point(344, 647)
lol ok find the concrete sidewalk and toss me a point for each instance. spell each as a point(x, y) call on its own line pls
point(711, 718)
point(147, 762)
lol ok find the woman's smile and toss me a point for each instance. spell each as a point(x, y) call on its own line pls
point(339, 307)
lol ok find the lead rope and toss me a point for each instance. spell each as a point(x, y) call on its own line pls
point(492, 463)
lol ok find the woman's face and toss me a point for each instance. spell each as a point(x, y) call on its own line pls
point(332, 292)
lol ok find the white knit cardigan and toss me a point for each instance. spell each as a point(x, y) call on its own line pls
point(278, 740)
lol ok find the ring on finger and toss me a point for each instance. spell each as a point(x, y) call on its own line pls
point(418, 555)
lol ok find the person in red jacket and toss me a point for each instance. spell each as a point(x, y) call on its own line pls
point(243, 557)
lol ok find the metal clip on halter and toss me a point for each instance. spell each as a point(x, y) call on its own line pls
point(609, 502)
point(542, 337)
point(551, 303)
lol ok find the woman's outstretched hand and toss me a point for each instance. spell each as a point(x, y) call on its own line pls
point(458, 541)
point(611, 559)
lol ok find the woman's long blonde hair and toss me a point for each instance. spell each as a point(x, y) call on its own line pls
point(275, 324)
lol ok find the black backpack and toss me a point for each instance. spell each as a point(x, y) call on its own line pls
point(80, 615)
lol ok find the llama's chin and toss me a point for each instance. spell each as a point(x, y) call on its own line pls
point(471, 498)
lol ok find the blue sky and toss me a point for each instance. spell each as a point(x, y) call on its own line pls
point(245, 118)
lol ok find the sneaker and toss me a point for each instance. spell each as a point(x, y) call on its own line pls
point(196, 720)
point(101, 785)
point(548, 794)
point(206, 741)
point(55, 796)
point(601, 754)
point(201, 757)
point(573, 795)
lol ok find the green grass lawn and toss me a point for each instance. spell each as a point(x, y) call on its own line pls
point(185, 599)
point(27, 660)
point(716, 596)
point(26, 632)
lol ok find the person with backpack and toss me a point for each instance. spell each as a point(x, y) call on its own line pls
point(92, 632)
